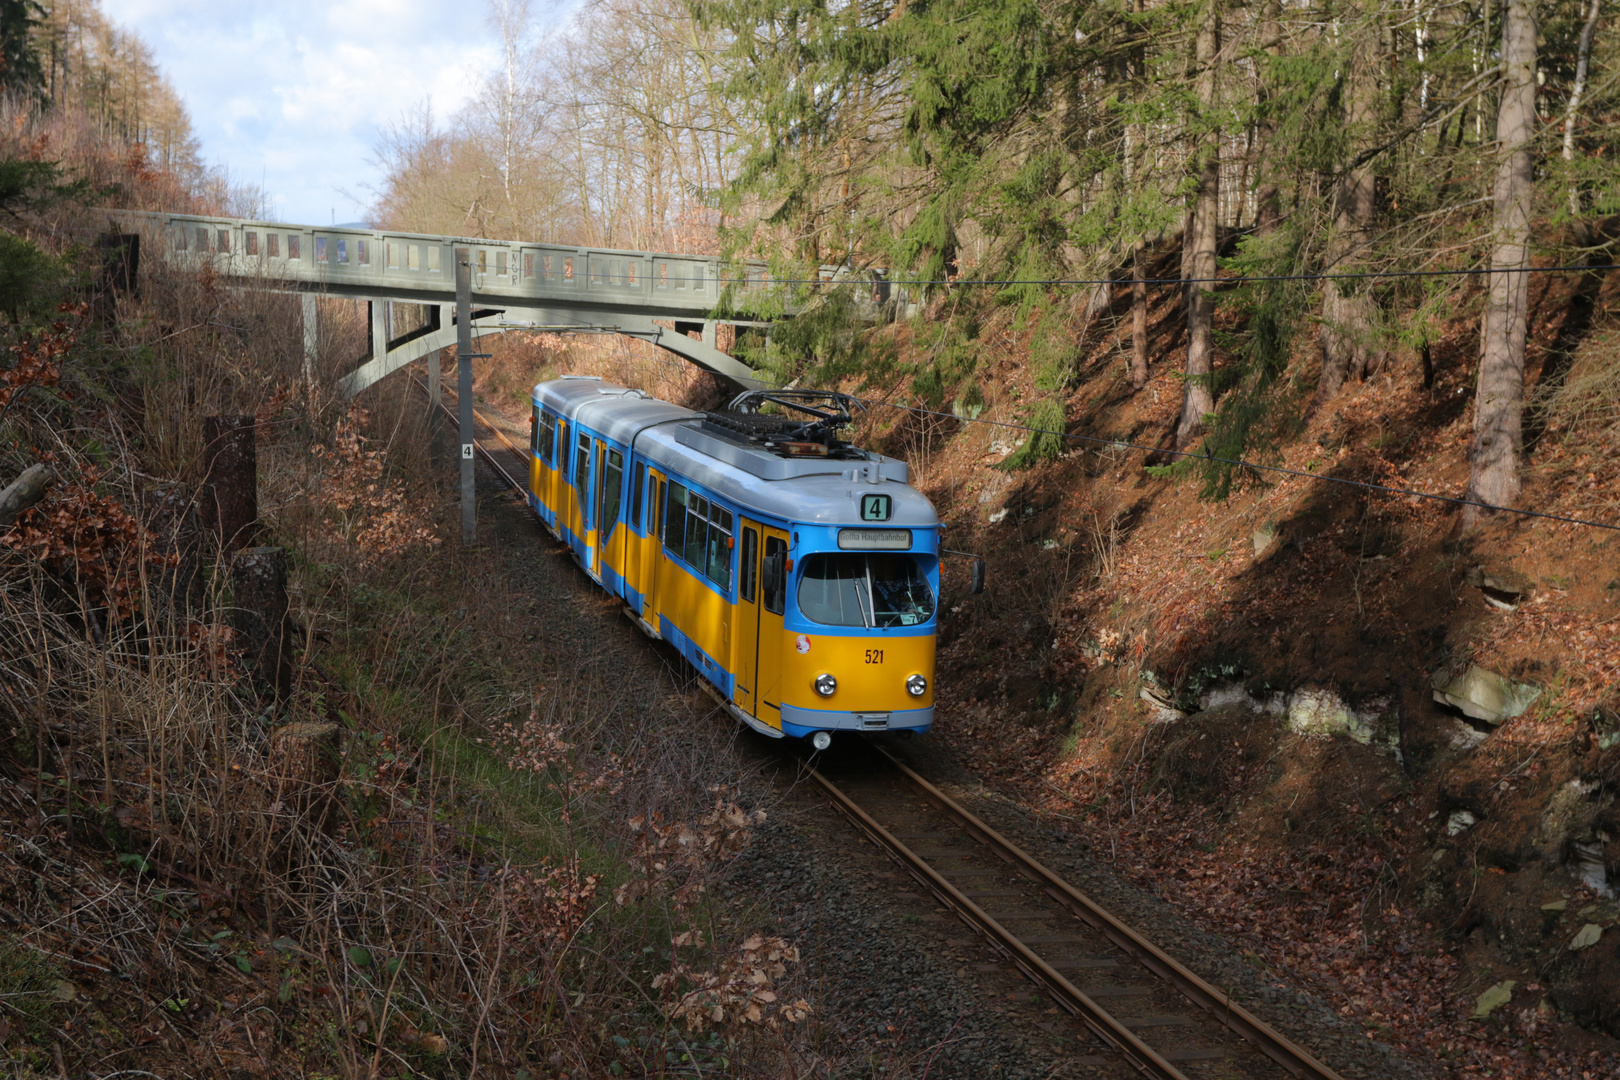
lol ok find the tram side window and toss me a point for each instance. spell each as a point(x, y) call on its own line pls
point(635, 496)
point(697, 528)
point(719, 546)
point(774, 581)
point(534, 430)
point(745, 569)
point(675, 520)
point(612, 488)
point(546, 437)
point(582, 465)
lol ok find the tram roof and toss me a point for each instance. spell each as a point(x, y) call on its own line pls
point(806, 490)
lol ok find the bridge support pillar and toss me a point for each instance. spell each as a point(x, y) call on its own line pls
point(378, 310)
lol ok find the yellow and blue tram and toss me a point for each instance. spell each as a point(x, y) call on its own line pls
point(796, 572)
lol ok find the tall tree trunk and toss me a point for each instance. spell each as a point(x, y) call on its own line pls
point(1199, 398)
point(1136, 158)
point(1267, 196)
point(1139, 316)
point(1499, 400)
point(1348, 311)
point(1583, 56)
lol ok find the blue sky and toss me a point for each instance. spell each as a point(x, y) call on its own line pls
point(291, 93)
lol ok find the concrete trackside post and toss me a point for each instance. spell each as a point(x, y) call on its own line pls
point(171, 518)
point(464, 391)
point(312, 340)
point(259, 615)
point(230, 489)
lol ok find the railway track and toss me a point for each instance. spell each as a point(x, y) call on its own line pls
point(1147, 1009)
point(509, 460)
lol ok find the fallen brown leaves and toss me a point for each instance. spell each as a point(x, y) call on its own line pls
point(736, 993)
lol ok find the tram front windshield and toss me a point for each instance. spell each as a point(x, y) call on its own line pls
point(874, 589)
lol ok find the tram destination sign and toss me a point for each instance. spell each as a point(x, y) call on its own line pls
point(874, 539)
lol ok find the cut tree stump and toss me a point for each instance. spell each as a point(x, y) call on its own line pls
point(259, 615)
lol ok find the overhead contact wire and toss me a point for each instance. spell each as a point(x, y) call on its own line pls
point(1242, 463)
point(1241, 280)
point(1239, 462)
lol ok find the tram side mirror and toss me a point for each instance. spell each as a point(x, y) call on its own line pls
point(976, 577)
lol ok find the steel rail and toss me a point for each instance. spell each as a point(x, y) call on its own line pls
point(479, 447)
point(1278, 1047)
point(1069, 996)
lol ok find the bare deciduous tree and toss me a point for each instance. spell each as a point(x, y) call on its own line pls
point(1583, 57)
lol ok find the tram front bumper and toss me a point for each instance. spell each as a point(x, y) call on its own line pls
point(799, 722)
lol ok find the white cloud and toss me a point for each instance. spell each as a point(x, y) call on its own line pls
point(293, 93)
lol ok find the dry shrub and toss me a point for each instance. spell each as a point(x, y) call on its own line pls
point(681, 859)
point(369, 511)
point(1587, 399)
point(520, 359)
point(89, 542)
point(38, 359)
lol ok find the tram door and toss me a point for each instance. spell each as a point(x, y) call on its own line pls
point(609, 501)
point(534, 450)
point(654, 547)
point(579, 520)
point(773, 579)
point(558, 485)
point(599, 511)
point(746, 617)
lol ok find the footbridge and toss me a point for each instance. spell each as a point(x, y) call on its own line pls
point(658, 297)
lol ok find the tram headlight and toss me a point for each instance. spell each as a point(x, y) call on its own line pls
point(916, 686)
point(826, 684)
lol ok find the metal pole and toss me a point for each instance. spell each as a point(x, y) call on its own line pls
point(464, 391)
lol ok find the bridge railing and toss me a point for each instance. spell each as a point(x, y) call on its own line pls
point(419, 262)
point(358, 261)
